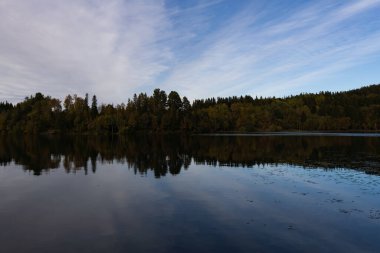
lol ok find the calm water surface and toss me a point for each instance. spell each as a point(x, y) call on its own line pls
point(190, 194)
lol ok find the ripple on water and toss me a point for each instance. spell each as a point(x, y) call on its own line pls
point(374, 214)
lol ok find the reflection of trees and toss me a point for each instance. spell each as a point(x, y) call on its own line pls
point(316, 151)
point(169, 154)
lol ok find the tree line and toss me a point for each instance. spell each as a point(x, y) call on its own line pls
point(354, 110)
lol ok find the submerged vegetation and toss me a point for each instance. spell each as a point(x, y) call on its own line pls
point(354, 110)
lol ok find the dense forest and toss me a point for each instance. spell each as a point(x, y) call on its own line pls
point(354, 110)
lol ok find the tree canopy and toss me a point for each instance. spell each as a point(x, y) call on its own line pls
point(354, 110)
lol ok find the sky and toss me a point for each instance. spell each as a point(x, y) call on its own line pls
point(200, 49)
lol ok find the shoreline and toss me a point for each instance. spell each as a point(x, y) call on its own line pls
point(259, 133)
point(298, 133)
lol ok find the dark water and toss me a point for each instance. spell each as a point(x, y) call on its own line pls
point(190, 194)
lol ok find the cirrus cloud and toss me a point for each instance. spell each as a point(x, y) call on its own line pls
point(220, 48)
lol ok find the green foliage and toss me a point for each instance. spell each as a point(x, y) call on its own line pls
point(94, 107)
point(355, 110)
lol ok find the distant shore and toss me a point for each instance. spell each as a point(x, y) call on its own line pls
point(354, 111)
point(297, 133)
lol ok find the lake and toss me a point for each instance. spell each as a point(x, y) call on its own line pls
point(245, 193)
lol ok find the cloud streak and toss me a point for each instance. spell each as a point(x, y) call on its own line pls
point(110, 48)
point(116, 48)
point(270, 58)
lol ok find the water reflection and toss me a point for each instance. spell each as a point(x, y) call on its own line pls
point(280, 208)
point(171, 154)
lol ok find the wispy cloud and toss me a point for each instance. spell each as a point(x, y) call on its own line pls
point(115, 48)
point(249, 55)
point(105, 47)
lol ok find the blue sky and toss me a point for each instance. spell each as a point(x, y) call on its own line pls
point(199, 48)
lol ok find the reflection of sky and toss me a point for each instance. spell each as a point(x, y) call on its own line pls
point(203, 208)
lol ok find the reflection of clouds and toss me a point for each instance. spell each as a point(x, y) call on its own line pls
point(205, 209)
point(248, 213)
